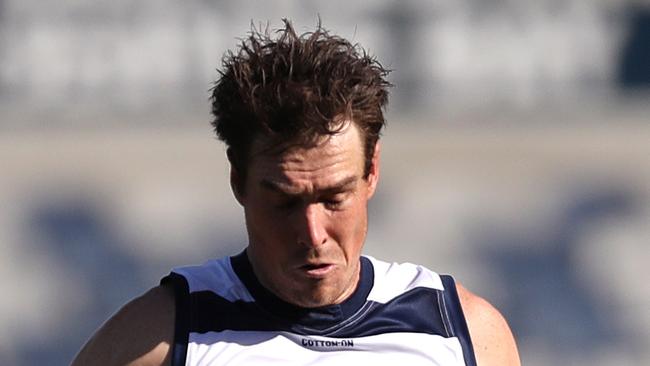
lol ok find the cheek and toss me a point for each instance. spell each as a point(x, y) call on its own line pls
point(352, 224)
point(264, 228)
point(259, 225)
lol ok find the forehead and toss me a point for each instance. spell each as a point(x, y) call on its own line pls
point(331, 158)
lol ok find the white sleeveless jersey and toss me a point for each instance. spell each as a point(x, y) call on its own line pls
point(400, 314)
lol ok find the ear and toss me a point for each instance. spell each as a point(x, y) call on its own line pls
point(235, 178)
point(235, 184)
point(373, 174)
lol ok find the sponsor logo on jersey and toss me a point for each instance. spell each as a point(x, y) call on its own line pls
point(327, 343)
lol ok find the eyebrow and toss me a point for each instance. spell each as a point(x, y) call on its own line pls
point(337, 187)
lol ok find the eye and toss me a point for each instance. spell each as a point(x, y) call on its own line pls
point(335, 202)
point(287, 204)
point(332, 205)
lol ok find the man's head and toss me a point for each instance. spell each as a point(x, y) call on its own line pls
point(293, 89)
point(301, 116)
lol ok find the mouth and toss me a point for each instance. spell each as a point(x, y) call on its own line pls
point(316, 270)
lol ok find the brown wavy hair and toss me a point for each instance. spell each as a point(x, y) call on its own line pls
point(295, 88)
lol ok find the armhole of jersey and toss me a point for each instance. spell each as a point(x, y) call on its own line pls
point(456, 319)
point(182, 316)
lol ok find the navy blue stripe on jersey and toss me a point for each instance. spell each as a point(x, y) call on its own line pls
point(402, 314)
point(456, 319)
point(182, 322)
point(212, 313)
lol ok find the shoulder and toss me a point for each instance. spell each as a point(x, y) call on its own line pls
point(491, 336)
point(391, 279)
point(140, 333)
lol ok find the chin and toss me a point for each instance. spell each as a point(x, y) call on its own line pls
point(315, 303)
point(309, 298)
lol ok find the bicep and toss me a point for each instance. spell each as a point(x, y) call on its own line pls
point(492, 339)
point(140, 333)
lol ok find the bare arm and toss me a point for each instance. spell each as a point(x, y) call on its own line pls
point(494, 344)
point(140, 333)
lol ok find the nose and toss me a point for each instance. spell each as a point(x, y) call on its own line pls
point(312, 231)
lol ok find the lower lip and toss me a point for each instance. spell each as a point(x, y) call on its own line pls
point(318, 272)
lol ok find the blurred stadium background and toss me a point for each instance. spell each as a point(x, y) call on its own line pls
point(517, 157)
